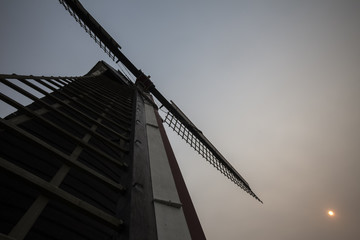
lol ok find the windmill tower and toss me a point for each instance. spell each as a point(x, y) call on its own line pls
point(90, 159)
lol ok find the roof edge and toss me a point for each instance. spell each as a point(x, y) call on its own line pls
point(102, 67)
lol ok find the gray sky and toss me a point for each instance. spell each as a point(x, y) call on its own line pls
point(275, 85)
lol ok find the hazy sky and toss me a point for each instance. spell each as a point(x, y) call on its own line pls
point(275, 85)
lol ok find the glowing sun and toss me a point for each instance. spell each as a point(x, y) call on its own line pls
point(331, 213)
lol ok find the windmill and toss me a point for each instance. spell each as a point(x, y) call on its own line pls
point(69, 92)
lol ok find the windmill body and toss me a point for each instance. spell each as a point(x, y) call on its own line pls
point(91, 159)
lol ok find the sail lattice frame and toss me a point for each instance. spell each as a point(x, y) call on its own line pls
point(177, 119)
point(178, 127)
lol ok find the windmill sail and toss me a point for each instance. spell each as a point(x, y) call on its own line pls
point(175, 118)
point(195, 138)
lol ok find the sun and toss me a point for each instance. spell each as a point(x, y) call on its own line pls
point(331, 213)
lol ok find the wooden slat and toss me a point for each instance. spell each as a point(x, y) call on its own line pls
point(61, 195)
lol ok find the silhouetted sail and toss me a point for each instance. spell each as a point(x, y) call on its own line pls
point(175, 118)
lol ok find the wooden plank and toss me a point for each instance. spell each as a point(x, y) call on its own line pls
point(53, 191)
point(61, 155)
point(142, 218)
